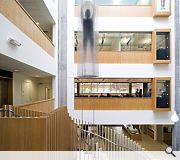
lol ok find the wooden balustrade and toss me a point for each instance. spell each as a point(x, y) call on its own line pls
point(121, 11)
point(23, 134)
point(23, 112)
point(15, 13)
point(102, 138)
point(56, 131)
point(121, 103)
point(37, 131)
point(141, 57)
point(60, 130)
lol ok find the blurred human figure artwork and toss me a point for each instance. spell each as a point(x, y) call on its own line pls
point(163, 4)
point(88, 55)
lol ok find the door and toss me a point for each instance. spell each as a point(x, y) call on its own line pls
point(26, 92)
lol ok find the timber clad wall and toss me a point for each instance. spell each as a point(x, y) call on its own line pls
point(121, 11)
point(122, 57)
point(113, 103)
point(19, 134)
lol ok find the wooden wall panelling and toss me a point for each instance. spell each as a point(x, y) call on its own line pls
point(19, 134)
point(52, 132)
point(113, 103)
point(121, 11)
point(142, 57)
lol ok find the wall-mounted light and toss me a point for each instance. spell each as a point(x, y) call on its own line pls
point(14, 42)
point(175, 117)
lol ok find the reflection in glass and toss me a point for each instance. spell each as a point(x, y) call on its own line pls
point(85, 87)
point(163, 93)
point(94, 87)
point(107, 87)
point(121, 41)
point(100, 87)
point(163, 46)
point(120, 89)
point(136, 86)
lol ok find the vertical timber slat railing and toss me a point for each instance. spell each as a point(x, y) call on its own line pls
point(60, 133)
point(100, 138)
point(60, 129)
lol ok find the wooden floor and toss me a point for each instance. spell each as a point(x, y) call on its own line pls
point(147, 142)
point(151, 145)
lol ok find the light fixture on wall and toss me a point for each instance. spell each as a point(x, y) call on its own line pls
point(175, 117)
point(14, 42)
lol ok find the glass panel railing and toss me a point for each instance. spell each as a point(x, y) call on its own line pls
point(119, 2)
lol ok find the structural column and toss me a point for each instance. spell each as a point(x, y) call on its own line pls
point(176, 130)
point(62, 68)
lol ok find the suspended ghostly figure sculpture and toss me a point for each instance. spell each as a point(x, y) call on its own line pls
point(87, 56)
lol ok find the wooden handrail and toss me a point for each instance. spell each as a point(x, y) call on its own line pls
point(27, 104)
point(45, 106)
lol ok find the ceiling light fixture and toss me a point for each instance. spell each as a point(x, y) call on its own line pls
point(16, 70)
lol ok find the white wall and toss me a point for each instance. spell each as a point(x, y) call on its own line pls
point(44, 83)
point(36, 91)
point(18, 80)
point(29, 52)
point(122, 70)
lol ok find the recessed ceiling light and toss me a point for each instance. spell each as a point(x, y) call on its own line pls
point(16, 70)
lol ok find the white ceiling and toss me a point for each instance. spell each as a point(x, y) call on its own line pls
point(9, 64)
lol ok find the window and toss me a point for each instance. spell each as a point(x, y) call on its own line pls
point(116, 87)
point(136, 86)
point(163, 94)
point(162, 46)
point(85, 87)
point(120, 41)
point(75, 88)
point(94, 87)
